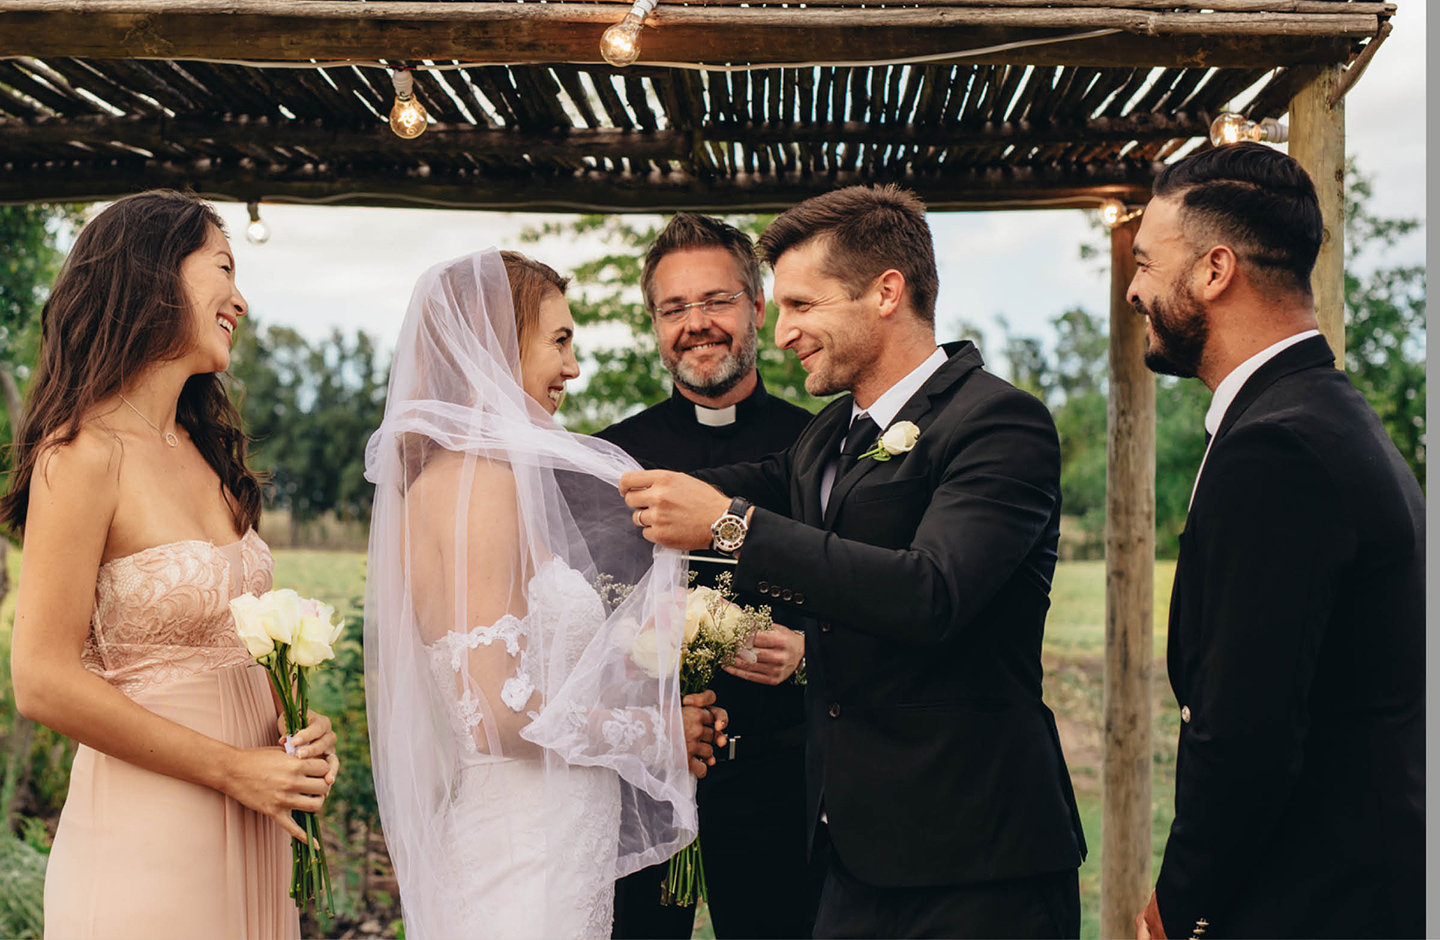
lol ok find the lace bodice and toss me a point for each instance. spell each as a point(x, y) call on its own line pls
point(163, 613)
point(562, 604)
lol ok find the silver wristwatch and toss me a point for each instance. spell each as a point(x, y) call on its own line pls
point(727, 533)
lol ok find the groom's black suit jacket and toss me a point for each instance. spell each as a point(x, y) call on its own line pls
point(923, 591)
point(1297, 649)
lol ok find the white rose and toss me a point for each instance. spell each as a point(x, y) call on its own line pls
point(697, 612)
point(657, 657)
point(279, 611)
point(900, 438)
point(250, 624)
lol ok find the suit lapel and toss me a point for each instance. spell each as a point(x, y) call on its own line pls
point(830, 428)
point(1306, 354)
point(963, 358)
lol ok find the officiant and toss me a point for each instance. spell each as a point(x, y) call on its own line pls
point(701, 283)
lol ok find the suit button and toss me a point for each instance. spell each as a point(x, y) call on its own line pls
point(825, 627)
point(786, 594)
point(763, 587)
point(1185, 713)
point(834, 709)
point(799, 598)
point(775, 590)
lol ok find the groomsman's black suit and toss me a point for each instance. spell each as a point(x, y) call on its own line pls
point(1297, 651)
point(924, 589)
point(752, 808)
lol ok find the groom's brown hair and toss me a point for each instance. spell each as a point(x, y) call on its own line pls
point(869, 230)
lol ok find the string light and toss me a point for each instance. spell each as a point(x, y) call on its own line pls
point(1113, 214)
point(1231, 128)
point(408, 119)
point(257, 232)
point(620, 46)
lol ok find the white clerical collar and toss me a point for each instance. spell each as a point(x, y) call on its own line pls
point(884, 409)
point(1230, 386)
point(715, 417)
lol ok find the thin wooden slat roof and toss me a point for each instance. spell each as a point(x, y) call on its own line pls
point(1045, 103)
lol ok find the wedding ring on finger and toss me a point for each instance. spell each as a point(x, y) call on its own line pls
point(640, 518)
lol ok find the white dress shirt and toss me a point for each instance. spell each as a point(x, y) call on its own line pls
point(884, 409)
point(1230, 386)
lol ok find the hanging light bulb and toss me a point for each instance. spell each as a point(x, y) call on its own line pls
point(257, 232)
point(1113, 214)
point(620, 46)
point(1231, 128)
point(408, 119)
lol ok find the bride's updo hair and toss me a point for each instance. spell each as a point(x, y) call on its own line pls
point(529, 282)
point(117, 307)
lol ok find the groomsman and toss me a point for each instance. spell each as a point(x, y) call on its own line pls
point(702, 286)
point(1297, 644)
point(920, 562)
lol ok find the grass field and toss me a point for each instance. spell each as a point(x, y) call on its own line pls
point(1074, 653)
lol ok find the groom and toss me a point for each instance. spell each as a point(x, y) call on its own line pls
point(937, 794)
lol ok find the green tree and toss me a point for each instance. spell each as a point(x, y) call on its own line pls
point(310, 407)
point(1385, 322)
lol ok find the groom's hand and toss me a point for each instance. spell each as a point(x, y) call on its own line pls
point(672, 509)
point(704, 729)
point(778, 652)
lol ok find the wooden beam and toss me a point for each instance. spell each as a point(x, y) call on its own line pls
point(588, 191)
point(569, 32)
point(347, 138)
point(1317, 141)
point(1125, 848)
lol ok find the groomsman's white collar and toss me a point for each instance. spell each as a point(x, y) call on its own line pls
point(887, 406)
point(1230, 386)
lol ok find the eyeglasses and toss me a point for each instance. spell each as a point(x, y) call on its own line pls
point(712, 307)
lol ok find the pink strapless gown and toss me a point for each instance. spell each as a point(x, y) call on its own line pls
point(142, 855)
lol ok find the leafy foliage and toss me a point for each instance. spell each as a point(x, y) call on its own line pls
point(311, 408)
point(1385, 324)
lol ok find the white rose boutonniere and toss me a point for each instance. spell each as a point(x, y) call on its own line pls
point(899, 438)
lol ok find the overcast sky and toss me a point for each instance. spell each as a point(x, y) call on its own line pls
point(328, 267)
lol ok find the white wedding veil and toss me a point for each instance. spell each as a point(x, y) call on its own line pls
point(521, 756)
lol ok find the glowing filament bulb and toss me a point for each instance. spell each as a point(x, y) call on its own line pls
point(408, 118)
point(1111, 211)
point(620, 46)
point(1229, 128)
point(257, 232)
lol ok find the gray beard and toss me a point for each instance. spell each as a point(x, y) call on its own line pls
point(726, 376)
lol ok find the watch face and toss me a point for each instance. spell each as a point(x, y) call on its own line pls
point(729, 533)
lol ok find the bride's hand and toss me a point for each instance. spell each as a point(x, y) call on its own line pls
point(317, 739)
point(704, 726)
point(274, 783)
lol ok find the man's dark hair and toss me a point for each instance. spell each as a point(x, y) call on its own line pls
point(870, 229)
point(685, 231)
point(1256, 200)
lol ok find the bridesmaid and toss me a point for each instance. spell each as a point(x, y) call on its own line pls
point(138, 514)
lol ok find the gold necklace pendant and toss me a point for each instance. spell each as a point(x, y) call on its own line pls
point(169, 436)
point(171, 439)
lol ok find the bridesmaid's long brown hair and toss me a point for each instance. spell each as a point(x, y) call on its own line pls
point(117, 307)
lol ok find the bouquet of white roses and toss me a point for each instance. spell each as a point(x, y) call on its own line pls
point(290, 636)
point(717, 630)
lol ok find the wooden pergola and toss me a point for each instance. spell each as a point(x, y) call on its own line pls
point(973, 104)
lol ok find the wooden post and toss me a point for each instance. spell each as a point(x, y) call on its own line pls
point(1317, 141)
point(1125, 848)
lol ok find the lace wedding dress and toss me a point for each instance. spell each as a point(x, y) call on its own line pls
point(501, 819)
point(522, 760)
point(139, 854)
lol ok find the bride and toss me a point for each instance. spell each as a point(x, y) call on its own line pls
point(523, 760)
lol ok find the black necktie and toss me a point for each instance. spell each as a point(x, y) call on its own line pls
point(860, 438)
